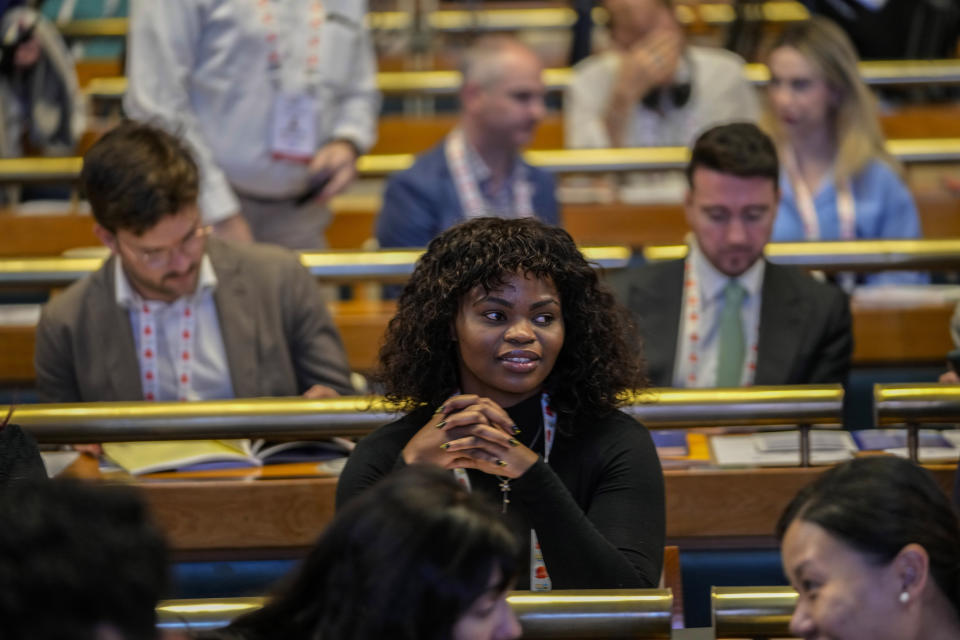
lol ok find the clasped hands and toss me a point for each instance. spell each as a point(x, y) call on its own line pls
point(471, 432)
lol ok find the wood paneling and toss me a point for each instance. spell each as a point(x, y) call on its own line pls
point(704, 505)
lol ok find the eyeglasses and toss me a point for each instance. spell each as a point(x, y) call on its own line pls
point(159, 258)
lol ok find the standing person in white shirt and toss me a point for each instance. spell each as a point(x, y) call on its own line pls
point(724, 316)
point(277, 97)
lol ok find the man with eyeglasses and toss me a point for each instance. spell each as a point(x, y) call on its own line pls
point(175, 314)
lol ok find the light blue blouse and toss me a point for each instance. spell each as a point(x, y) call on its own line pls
point(884, 209)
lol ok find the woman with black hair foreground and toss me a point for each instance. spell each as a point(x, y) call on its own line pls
point(511, 359)
point(873, 549)
point(415, 558)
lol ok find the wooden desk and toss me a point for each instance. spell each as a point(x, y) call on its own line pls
point(354, 222)
point(704, 508)
point(891, 337)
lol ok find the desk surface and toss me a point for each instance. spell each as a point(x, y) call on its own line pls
point(244, 516)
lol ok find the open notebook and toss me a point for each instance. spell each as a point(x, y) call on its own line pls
point(181, 455)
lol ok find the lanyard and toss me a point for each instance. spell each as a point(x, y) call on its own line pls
point(283, 47)
point(846, 207)
point(692, 317)
point(539, 578)
point(468, 191)
point(149, 356)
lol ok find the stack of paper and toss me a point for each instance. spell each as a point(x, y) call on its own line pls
point(781, 448)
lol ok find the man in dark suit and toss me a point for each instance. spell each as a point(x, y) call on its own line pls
point(724, 316)
point(173, 315)
point(477, 169)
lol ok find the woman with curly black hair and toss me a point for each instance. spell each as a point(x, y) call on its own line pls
point(511, 359)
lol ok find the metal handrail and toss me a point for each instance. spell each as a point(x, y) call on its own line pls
point(21, 170)
point(918, 402)
point(859, 255)
point(666, 408)
point(337, 266)
point(299, 418)
point(915, 404)
point(629, 613)
point(752, 612)
point(447, 82)
point(454, 20)
point(390, 266)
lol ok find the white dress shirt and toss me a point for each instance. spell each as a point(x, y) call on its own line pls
point(201, 68)
point(711, 288)
point(210, 373)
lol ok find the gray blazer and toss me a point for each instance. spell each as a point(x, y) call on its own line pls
point(277, 333)
point(805, 326)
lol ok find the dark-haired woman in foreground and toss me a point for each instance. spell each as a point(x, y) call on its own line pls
point(415, 558)
point(873, 549)
point(511, 358)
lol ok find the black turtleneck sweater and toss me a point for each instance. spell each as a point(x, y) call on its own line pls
point(597, 507)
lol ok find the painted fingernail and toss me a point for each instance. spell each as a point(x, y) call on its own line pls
point(441, 424)
point(514, 442)
point(501, 463)
point(445, 446)
point(440, 409)
point(516, 429)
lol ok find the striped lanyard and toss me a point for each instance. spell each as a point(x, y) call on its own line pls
point(693, 335)
point(468, 191)
point(539, 578)
point(184, 354)
point(846, 206)
point(284, 48)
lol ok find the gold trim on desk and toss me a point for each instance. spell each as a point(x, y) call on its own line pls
point(298, 418)
point(40, 169)
point(600, 613)
point(915, 403)
point(855, 255)
point(752, 612)
point(334, 265)
point(754, 406)
point(445, 81)
point(485, 19)
point(15, 170)
point(94, 28)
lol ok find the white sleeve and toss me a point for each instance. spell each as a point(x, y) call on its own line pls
point(358, 103)
point(161, 54)
point(585, 106)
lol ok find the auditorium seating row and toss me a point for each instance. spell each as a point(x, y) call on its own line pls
point(292, 504)
point(914, 332)
point(520, 16)
point(210, 515)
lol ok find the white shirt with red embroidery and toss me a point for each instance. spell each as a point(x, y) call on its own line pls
point(208, 374)
point(711, 283)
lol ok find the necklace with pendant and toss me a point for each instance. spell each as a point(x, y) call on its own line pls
point(505, 481)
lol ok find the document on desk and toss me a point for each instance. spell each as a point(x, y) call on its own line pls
point(196, 455)
point(780, 449)
point(934, 445)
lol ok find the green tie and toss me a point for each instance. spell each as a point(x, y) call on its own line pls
point(732, 343)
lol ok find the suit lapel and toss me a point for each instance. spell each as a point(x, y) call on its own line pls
point(116, 346)
point(661, 322)
point(237, 325)
point(781, 327)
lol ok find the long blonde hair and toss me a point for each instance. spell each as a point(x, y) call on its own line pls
point(856, 119)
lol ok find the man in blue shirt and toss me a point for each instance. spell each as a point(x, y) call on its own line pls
point(477, 169)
